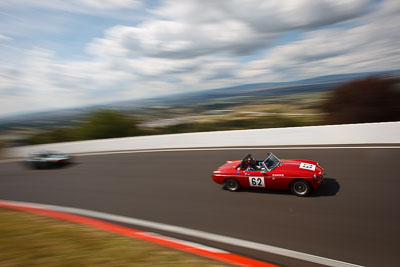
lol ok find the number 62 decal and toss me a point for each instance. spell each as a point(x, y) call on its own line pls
point(257, 181)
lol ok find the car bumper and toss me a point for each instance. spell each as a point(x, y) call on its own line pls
point(317, 183)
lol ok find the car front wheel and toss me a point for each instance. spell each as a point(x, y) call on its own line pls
point(300, 188)
point(232, 185)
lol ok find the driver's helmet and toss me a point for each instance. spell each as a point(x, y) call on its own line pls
point(250, 161)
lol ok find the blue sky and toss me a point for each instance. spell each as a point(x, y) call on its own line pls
point(59, 53)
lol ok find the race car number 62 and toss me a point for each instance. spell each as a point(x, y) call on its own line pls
point(256, 181)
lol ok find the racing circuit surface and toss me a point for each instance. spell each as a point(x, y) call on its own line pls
point(353, 217)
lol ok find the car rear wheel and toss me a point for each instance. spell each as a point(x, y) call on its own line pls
point(232, 185)
point(300, 188)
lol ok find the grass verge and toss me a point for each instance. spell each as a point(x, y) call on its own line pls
point(32, 240)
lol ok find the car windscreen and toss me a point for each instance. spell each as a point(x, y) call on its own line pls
point(271, 162)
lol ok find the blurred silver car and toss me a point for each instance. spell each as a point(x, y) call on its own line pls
point(48, 159)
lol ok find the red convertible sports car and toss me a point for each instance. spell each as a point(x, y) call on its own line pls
point(298, 175)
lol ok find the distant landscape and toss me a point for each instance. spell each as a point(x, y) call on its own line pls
point(264, 105)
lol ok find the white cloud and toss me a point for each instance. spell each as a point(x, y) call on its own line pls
point(40, 81)
point(265, 16)
point(85, 6)
point(372, 45)
point(194, 45)
point(5, 38)
point(195, 28)
point(110, 4)
point(172, 39)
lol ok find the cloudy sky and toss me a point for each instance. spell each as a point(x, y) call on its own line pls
point(68, 53)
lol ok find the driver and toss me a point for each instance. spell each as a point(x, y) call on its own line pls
point(251, 164)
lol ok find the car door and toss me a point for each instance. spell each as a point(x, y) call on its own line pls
point(256, 179)
point(279, 180)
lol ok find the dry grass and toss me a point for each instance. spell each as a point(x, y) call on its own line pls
point(32, 240)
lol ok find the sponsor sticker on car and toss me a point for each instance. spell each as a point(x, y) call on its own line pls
point(307, 166)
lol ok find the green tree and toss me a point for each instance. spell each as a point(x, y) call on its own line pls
point(108, 124)
point(374, 99)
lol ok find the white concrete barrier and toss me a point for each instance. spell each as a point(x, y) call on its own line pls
point(368, 133)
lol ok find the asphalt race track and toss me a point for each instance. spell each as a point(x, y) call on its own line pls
point(354, 217)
